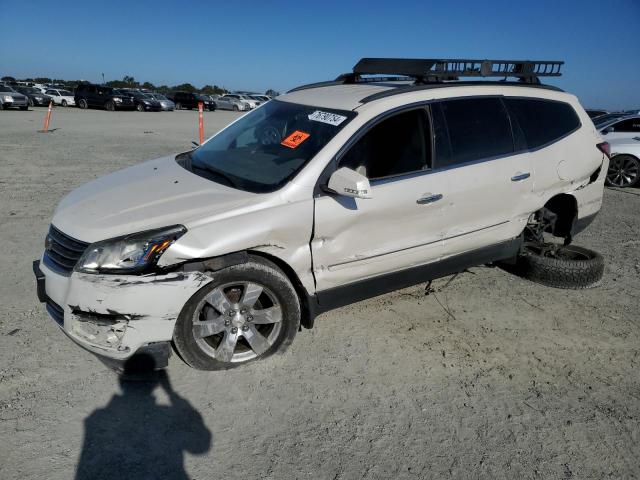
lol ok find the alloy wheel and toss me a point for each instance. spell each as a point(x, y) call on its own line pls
point(623, 171)
point(237, 322)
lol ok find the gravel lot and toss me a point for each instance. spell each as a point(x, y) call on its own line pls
point(490, 377)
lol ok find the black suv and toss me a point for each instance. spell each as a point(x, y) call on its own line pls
point(190, 100)
point(89, 95)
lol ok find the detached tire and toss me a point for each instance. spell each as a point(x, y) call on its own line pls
point(569, 267)
point(249, 312)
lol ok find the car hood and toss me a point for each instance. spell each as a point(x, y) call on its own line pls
point(154, 194)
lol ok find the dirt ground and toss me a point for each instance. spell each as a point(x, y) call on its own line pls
point(490, 377)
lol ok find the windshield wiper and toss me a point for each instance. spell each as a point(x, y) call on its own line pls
point(215, 172)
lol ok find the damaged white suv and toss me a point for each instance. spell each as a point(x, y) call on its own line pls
point(327, 195)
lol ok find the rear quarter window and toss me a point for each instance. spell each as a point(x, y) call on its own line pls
point(543, 121)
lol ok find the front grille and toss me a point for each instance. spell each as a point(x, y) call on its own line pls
point(56, 312)
point(62, 252)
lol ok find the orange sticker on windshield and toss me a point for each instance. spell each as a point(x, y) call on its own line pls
point(295, 139)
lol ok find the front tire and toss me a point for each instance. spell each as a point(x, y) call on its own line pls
point(140, 107)
point(64, 103)
point(249, 312)
point(31, 102)
point(178, 106)
point(110, 106)
point(82, 103)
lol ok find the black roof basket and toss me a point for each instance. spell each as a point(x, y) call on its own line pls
point(438, 70)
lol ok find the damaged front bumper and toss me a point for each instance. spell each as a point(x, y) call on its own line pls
point(118, 316)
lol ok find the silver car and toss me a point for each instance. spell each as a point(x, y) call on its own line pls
point(231, 103)
point(165, 103)
point(9, 98)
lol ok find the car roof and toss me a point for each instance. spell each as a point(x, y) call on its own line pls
point(617, 119)
point(346, 96)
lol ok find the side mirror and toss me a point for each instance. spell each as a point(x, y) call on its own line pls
point(349, 183)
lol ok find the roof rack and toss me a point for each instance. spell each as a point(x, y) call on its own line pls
point(436, 71)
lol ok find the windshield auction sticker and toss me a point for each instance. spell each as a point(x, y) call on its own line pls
point(295, 139)
point(326, 117)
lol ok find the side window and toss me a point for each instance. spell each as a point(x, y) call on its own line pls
point(394, 146)
point(543, 121)
point(51, 92)
point(631, 125)
point(470, 129)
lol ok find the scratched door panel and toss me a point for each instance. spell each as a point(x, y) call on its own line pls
point(362, 238)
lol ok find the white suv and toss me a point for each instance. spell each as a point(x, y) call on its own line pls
point(327, 195)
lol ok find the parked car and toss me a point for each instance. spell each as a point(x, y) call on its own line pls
point(9, 98)
point(61, 97)
point(190, 100)
point(34, 96)
point(627, 126)
point(624, 167)
point(165, 103)
point(145, 102)
point(253, 103)
point(594, 113)
point(89, 95)
point(227, 102)
point(305, 205)
point(261, 98)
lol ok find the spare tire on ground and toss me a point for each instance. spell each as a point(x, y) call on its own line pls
point(560, 266)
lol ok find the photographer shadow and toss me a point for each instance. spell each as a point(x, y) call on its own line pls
point(135, 437)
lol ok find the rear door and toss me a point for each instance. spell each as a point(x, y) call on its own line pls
point(489, 194)
point(401, 225)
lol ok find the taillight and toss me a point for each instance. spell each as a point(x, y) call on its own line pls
point(605, 148)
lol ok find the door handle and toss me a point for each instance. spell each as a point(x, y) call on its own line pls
point(520, 176)
point(429, 199)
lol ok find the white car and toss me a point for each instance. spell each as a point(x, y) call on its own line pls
point(624, 167)
point(227, 102)
point(252, 102)
point(61, 97)
point(627, 126)
point(327, 195)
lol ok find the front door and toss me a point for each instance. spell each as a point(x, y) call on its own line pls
point(402, 224)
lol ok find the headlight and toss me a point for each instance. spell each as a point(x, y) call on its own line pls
point(135, 253)
point(39, 99)
point(146, 102)
point(8, 98)
point(117, 99)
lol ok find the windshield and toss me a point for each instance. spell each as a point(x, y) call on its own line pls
point(267, 147)
point(6, 89)
point(30, 90)
point(65, 93)
point(157, 96)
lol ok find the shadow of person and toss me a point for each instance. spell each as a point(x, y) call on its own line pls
point(133, 437)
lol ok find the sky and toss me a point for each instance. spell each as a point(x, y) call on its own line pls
point(258, 45)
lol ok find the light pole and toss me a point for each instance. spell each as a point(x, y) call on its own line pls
point(103, 78)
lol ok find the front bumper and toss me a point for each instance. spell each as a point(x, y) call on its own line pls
point(116, 317)
point(17, 102)
point(44, 102)
point(124, 105)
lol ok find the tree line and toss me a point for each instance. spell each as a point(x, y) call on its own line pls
point(130, 82)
